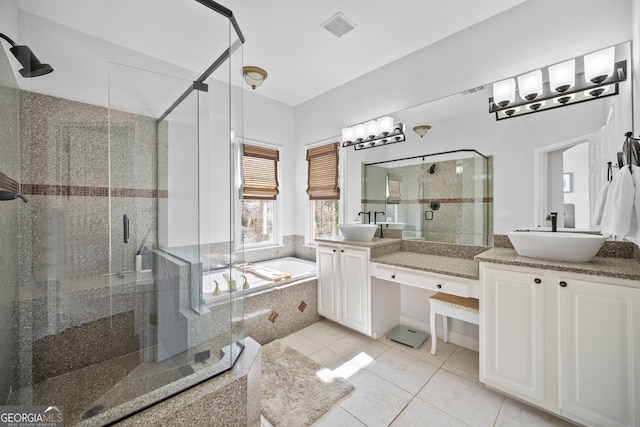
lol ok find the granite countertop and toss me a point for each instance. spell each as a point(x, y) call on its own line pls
point(375, 243)
point(452, 260)
point(447, 265)
point(620, 268)
point(463, 261)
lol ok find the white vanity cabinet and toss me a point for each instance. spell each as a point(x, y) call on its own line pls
point(344, 285)
point(512, 332)
point(567, 342)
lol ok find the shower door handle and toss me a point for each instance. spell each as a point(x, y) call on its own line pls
point(125, 226)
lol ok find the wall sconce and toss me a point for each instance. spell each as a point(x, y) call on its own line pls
point(421, 130)
point(254, 76)
point(559, 85)
point(373, 133)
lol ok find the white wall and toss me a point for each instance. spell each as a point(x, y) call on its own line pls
point(500, 47)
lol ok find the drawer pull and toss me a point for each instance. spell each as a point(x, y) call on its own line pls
point(537, 280)
point(393, 276)
point(439, 286)
point(563, 284)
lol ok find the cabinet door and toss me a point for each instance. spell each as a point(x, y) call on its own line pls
point(599, 357)
point(327, 264)
point(355, 289)
point(512, 332)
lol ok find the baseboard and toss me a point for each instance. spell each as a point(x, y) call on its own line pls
point(455, 337)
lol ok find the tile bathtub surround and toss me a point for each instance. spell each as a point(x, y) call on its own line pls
point(285, 302)
point(398, 385)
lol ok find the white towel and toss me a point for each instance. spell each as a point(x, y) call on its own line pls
point(634, 229)
point(596, 218)
point(619, 205)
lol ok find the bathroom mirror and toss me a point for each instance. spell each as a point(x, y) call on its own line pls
point(443, 197)
point(524, 178)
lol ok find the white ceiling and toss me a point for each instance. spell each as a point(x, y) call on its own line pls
point(282, 36)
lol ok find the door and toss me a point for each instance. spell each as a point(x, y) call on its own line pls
point(599, 340)
point(355, 289)
point(512, 332)
point(327, 260)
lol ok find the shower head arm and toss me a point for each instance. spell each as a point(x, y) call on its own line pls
point(11, 42)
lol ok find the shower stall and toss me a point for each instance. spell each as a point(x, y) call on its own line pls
point(129, 204)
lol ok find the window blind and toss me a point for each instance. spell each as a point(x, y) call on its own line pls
point(393, 188)
point(259, 172)
point(322, 176)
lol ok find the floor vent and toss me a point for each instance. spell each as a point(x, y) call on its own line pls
point(338, 25)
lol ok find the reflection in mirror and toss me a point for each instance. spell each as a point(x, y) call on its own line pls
point(572, 172)
point(443, 197)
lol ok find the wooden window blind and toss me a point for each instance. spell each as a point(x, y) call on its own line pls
point(322, 176)
point(394, 183)
point(259, 172)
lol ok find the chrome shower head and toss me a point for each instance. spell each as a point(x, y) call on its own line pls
point(32, 67)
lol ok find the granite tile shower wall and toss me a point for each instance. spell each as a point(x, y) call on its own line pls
point(69, 312)
point(9, 220)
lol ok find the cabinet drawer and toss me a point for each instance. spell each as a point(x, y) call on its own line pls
point(424, 280)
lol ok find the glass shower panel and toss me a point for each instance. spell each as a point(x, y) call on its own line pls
point(10, 211)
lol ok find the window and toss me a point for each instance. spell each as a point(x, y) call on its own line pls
point(323, 189)
point(259, 192)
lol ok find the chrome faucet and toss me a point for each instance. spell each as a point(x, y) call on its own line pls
point(553, 217)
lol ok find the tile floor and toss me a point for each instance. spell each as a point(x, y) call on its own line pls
point(396, 385)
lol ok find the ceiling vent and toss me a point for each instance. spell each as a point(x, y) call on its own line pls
point(473, 90)
point(338, 25)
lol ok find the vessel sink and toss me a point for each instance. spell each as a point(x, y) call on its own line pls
point(392, 225)
point(558, 246)
point(358, 232)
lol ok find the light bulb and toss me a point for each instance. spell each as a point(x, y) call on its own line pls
point(504, 92)
point(562, 76)
point(530, 85)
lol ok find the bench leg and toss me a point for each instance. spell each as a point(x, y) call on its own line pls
point(432, 321)
point(445, 328)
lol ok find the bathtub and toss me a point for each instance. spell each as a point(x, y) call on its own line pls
point(299, 269)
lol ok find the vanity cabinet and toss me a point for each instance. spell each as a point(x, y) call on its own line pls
point(567, 342)
point(344, 285)
point(512, 332)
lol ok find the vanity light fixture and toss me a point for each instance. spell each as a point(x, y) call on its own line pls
point(373, 133)
point(421, 130)
point(559, 85)
point(254, 76)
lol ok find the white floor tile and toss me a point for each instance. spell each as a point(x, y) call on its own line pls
point(420, 413)
point(301, 343)
point(464, 362)
point(328, 359)
point(324, 332)
point(443, 351)
point(375, 401)
point(354, 344)
point(337, 417)
point(464, 399)
point(403, 370)
point(514, 413)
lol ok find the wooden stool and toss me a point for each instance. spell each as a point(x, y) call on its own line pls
point(465, 309)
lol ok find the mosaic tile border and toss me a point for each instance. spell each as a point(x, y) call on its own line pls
point(423, 201)
point(75, 190)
